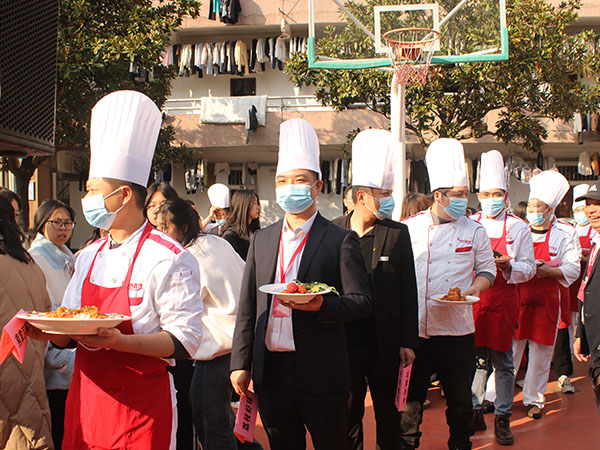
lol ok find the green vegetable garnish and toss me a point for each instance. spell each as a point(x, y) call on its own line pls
point(315, 287)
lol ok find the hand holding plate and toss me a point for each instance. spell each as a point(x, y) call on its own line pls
point(106, 338)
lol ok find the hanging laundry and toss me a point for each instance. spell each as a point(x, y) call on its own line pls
point(222, 172)
point(251, 122)
point(241, 57)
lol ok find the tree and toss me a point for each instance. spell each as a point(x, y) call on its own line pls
point(542, 78)
point(97, 43)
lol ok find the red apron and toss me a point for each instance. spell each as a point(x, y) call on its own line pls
point(538, 316)
point(117, 400)
point(497, 311)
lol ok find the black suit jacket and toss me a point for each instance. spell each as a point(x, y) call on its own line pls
point(332, 256)
point(393, 287)
point(590, 331)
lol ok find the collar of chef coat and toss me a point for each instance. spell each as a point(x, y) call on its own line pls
point(113, 244)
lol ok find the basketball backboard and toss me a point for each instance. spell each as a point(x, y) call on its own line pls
point(470, 31)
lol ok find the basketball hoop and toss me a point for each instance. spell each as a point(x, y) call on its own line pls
point(410, 50)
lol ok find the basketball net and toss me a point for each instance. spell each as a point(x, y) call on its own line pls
point(410, 50)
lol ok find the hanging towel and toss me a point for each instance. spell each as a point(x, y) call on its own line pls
point(232, 109)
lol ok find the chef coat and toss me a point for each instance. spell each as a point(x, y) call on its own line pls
point(572, 232)
point(519, 244)
point(164, 290)
point(563, 246)
point(584, 230)
point(446, 256)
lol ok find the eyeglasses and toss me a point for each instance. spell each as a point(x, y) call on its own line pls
point(59, 224)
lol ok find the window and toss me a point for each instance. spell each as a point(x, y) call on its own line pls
point(242, 86)
point(235, 177)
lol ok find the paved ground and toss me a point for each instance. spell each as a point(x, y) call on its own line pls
point(570, 422)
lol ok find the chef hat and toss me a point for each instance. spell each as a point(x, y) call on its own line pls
point(372, 159)
point(123, 133)
point(445, 161)
point(549, 186)
point(218, 194)
point(298, 147)
point(492, 171)
point(578, 191)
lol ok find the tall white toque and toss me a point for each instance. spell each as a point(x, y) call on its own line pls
point(218, 194)
point(298, 147)
point(123, 133)
point(491, 175)
point(373, 159)
point(445, 160)
point(548, 186)
point(578, 191)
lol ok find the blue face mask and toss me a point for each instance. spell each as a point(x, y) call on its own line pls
point(581, 218)
point(536, 219)
point(220, 222)
point(456, 208)
point(95, 211)
point(386, 207)
point(491, 207)
point(294, 198)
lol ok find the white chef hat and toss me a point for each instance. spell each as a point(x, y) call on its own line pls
point(123, 133)
point(218, 194)
point(372, 159)
point(548, 186)
point(445, 159)
point(298, 147)
point(491, 175)
point(578, 191)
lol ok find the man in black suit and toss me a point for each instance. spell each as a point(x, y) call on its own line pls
point(380, 342)
point(587, 336)
point(296, 353)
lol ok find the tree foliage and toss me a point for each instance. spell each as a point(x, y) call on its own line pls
point(97, 42)
point(542, 78)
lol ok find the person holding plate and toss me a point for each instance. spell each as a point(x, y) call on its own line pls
point(294, 353)
point(557, 260)
point(497, 311)
point(380, 342)
point(450, 251)
point(121, 395)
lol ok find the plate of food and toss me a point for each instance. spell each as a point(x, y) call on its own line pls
point(84, 320)
point(297, 292)
point(456, 297)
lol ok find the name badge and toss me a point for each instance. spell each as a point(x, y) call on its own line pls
point(384, 258)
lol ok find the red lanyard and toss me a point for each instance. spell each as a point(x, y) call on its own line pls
point(296, 252)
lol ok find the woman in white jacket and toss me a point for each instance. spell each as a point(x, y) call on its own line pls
point(53, 225)
point(221, 270)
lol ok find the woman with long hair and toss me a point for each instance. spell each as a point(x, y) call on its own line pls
point(243, 222)
point(158, 194)
point(24, 417)
point(414, 203)
point(221, 271)
point(53, 224)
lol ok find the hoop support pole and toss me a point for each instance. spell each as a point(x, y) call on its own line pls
point(398, 130)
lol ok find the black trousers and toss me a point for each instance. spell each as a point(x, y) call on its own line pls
point(287, 410)
point(182, 378)
point(56, 400)
point(562, 360)
point(453, 359)
point(367, 368)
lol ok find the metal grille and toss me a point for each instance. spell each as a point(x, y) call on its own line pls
point(571, 174)
point(28, 43)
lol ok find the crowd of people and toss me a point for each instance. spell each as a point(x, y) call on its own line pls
point(203, 332)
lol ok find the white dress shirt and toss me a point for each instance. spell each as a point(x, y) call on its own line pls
point(280, 331)
point(519, 245)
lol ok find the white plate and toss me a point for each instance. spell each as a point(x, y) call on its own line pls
point(62, 325)
point(275, 289)
point(470, 300)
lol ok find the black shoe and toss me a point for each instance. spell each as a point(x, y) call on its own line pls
point(487, 407)
point(502, 430)
point(535, 412)
point(478, 421)
point(406, 446)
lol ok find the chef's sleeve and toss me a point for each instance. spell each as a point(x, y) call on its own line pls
point(177, 299)
point(484, 258)
point(523, 266)
point(569, 253)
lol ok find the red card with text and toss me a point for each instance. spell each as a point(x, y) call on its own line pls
point(245, 421)
point(14, 339)
point(402, 387)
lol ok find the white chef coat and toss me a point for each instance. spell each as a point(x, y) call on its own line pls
point(584, 230)
point(563, 245)
point(518, 243)
point(165, 276)
point(446, 256)
point(571, 231)
point(280, 331)
point(221, 270)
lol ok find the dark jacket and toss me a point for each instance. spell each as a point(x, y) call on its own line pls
point(239, 244)
point(393, 287)
point(590, 331)
point(332, 256)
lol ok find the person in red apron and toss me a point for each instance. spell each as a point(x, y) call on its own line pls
point(497, 311)
point(121, 395)
point(562, 362)
point(557, 260)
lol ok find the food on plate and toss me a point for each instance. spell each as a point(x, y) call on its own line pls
point(85, 312)
point(497, 254)
point(454, 295)
point(297, 287)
